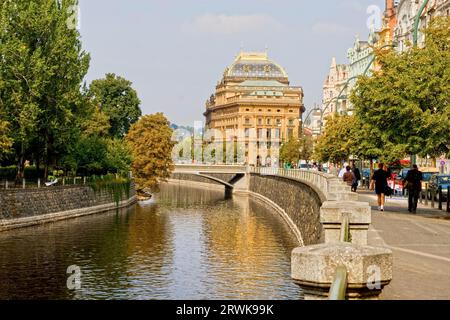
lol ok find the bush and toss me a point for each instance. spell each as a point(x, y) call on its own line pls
point(30, 173)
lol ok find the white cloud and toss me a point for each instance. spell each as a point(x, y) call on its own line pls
point(329, 28)
point(223, 24)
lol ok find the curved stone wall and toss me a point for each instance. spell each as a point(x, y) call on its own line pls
point(300, 202)
point(297, 202)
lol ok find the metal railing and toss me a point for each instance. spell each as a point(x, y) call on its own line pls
point(338, 287)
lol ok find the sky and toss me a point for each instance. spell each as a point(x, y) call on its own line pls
point(175, 51)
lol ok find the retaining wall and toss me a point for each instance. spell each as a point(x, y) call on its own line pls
point(23, 207)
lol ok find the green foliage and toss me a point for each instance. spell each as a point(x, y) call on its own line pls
point(306, 148)
point(42, 66)
point(150, 142)
point(118, 156)
point(405, 107)
point(116, 186)
point(10, 173)
point(290, 151)
point(118, 100)
point(5, 140)
point(335, 144)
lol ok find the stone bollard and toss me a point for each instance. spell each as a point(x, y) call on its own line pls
point(360, 217)
point(369, 269)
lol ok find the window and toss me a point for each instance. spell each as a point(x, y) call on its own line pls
point(247, 132)
point(277, 133)
point(260, 133)
point(260, 122)
point(268, 122)
point(291, 122)
point(290, 133)
point(247, 110)
point(278, 121)
point(247, 120)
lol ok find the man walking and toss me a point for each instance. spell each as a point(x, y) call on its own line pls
point(413, 182)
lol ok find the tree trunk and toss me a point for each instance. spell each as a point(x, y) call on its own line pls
point(20, 165)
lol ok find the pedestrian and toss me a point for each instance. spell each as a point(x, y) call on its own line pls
point(343, 170)
point(348, 177)
point(357, 174)
point(333, 170)
point(379, 183)
point(413, 183)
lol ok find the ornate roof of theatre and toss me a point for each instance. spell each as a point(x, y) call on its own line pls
point(255, 65)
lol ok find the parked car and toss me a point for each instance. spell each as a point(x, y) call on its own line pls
point(436, 181)
point(428, 172)
point(398, 180)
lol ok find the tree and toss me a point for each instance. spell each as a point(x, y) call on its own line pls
point(42, 66)
point(306, 148)
point(150, 142)
point(406, 105)
point(290, 151)
point(335, 144)
point(118, 100)
point(5, 140)
point(118, 156)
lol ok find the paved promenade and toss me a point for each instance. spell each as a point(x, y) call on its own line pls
point(421, 247)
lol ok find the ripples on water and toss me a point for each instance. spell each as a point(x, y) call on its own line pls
point(189, 244)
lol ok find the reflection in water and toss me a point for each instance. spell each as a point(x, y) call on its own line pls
point(190, 244)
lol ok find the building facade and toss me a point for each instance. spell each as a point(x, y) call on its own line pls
point(334, 84)
point(407, 11)
point(255, 104)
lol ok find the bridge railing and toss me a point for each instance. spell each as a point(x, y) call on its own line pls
point(320, 180)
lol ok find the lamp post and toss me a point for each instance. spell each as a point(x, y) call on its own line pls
point(348, 82)
point(417, 22)
point(415, 43)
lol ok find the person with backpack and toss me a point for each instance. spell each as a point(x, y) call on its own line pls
point(357, 175)
point(413, 182)
point(349, 177)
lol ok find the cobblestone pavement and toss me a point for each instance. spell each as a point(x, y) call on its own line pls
point(421, 248)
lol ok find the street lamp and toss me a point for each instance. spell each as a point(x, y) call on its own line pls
point(417, 22)
point(415, 43)
point(348, 82)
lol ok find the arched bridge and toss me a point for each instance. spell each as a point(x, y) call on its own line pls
point(227, 175)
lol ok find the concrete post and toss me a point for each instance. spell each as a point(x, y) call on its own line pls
point(23, 183)
point(369, 269)
point(360, 217)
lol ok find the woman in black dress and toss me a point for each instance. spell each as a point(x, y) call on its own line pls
point(379, 181)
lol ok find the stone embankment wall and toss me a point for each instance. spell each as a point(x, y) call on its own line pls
point(23, 207)
point(297, 202)
point(300, 202)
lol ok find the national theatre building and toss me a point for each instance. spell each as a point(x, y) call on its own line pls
point(255, 104)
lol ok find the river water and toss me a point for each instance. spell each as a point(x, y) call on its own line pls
point(189, 244)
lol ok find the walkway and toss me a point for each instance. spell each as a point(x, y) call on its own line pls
point(421, 247)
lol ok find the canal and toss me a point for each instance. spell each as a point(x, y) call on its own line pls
point(189, 243)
